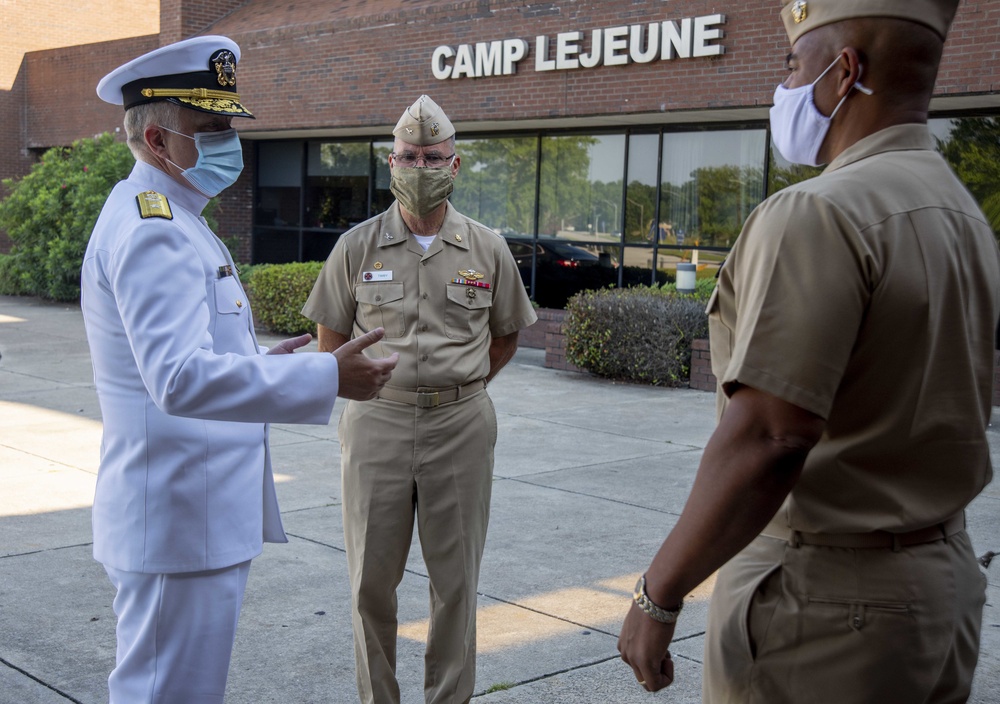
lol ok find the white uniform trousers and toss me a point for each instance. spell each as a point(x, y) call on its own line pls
point(175, 634)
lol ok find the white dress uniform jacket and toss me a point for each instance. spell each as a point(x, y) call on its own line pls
point(185, 481)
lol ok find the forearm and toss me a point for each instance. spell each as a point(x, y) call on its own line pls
point(746, 472)
point(329, 340)
point(502, 350)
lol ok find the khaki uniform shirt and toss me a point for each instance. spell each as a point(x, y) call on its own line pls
point(870, 296)
point(378, 275)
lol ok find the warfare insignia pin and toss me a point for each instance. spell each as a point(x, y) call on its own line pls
point(470, 293)
point(224, 63)
point(471, 274)
point(800, 10)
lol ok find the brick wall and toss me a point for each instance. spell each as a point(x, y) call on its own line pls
point(701, 367)
point(551, 321)
point(181, 19)
point(235, 210)
point(45, 24)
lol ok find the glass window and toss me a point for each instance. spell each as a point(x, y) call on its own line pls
point(496, 183)
point(971, 146)
point(581, 187)
point(382, 197)
point(781, 173)
point(279, 178)
point(336, 195)
point(710, 183)
point(640, 201)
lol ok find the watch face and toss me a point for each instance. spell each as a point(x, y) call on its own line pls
point(639, 586)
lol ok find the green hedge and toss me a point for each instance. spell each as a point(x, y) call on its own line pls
point(277, 293)
point(641, 334)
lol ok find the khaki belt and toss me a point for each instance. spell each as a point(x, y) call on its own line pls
point(875, 539)
point(425, 397)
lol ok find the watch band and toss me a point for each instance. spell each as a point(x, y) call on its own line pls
point(657, 613)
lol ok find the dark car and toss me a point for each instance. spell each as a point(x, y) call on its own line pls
point(562, 269)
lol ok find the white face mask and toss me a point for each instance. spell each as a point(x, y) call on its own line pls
point(798, 128)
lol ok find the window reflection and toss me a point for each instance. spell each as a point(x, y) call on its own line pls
point(971, 146)
point(710, 183)
point(337, 184)
point(581, 187)
point(279, 180)
point(496, 184)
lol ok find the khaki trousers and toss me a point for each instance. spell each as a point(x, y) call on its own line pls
point(401, 462)
point(845, 626)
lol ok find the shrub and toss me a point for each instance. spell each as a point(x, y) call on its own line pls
point(640, 334)
point(50, 213)
point(9, 282)
point(277, 293)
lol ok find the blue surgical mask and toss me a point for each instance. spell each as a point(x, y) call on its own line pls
point(220, 161)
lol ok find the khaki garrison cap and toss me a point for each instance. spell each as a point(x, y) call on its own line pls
point(424, 123)
point(801, 16)
point(198, 73)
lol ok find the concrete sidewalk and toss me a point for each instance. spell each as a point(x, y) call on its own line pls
point(590, 476)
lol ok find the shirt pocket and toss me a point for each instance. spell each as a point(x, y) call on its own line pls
point(380, 304)
point(467, 312)
point(229, 297)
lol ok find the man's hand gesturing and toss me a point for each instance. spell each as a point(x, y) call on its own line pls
point(361, 377)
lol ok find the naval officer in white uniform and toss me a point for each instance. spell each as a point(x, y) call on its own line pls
point(185, 492)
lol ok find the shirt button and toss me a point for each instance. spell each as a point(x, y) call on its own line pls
point(378, 298)
point(423, 328)
point(424, 296)
point(423, 358)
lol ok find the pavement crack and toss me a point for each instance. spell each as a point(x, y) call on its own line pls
point(593, 496)
point(36, 552)
point(45, 684)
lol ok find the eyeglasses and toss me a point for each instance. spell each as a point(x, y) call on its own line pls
point(433, 161)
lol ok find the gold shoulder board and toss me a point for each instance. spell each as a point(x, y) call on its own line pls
point(153, 205)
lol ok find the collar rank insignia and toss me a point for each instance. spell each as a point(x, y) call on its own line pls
point(224, 64)
point(800, 11)
point(153, 205)
point(471, 274)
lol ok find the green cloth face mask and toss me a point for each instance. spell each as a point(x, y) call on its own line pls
point(421, 190)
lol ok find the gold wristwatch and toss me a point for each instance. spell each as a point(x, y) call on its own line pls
point(657, 613)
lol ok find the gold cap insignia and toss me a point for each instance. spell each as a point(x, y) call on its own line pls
point(435, 129)
point(800, 11)
point(224, 63)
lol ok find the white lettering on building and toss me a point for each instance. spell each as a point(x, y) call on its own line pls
point(690, 37)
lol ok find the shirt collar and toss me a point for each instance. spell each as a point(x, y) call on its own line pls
point(394, 230)
point(908, 137)
point(149, 177)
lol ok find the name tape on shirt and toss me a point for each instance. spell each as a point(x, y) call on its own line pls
point(377, 275)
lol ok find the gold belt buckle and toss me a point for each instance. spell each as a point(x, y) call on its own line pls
point(428, 399)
